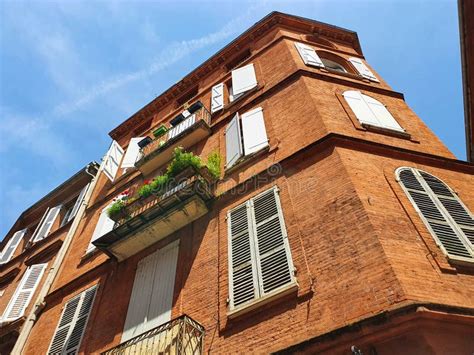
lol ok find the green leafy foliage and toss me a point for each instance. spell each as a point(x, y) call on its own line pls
point(214, 164)
point(159, 183)
point(182, 160)
point(145, 190)
point(116, 208)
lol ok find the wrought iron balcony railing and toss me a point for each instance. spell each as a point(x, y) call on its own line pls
point(194, 126)
point(182, 335)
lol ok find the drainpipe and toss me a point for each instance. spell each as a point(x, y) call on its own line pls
point(54, 269)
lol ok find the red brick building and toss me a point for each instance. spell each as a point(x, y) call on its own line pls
point(338, 222)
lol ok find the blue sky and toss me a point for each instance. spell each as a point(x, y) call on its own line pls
point(71, 71)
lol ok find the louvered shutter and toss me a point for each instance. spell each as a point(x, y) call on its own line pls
point(46, 223)
point(132, 154)
point(112, 159)
point(360, 108)
point(363, 69)
point(78, 203)
point(11, 246)
point(274, 262)
point(253, 131)
point(382, 115)
point(434, 218)
point(243, 284)
point(24, 292)
point(103, 226)
point(217, 97)
point(152, 294)
point(70, 330)
point(309, 55)
point(233, 141)
point(243, 79)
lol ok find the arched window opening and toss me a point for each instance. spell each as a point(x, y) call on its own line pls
point(332, 65)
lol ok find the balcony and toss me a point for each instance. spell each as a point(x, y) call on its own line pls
point(147, 220)
point(193, 127)
point(179, 336)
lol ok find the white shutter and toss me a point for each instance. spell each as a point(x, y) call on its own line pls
point(382, 115)
point(111, 161)
point(360, 108)
point(233, 141)
point(363, 69)
point(78, 203)
point(243, 284)
point(275, 267)
point(132, 154)
point(103, 226)
point(24, 292)
point(152, 294)
point(243, 79)
point(70, 330)
point(11, 246)
point(309, 55)
point(253, 131)
point(217, 97)
point(431, 212)
point(46, 223)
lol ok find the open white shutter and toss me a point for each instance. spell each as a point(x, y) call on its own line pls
point(253, 130)
point(112, 159)
point(217, 97)
point(104, 225)
point(275, 267)
point(132, 154)
point(360, 108)
point(70, 330)
point(309, 55)
point(243, 79)
point(363, 69)
point(24, 292)
point(243, 284)
point(152, 294)
point(233, 141)
point(78, 203)
point(46, 223)
point(11, 246)
point(382, 115)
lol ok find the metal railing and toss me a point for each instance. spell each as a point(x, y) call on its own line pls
point(200, 115)
point(181, 335)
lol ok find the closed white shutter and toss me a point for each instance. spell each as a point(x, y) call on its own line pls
point(70, 330)
point(132, 154)
point(425, 201)
point(363, 69)
point(382, 115)
point(243, 284)
point(243, 79)
point(112, 159)
point(11, 246)
point(309, 55)
point(103, 226)
point(46, 223)
point(253, 131)
point(24, 292)
point(360, 108)
point(217, 97)
point(78, 203)
point(233, 141)
point(152, 294)
point(275, 268)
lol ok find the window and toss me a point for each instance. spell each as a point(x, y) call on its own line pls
point(10, 247)
point(370, 111)
point(70, 330)
point(332, 65)
point(260, 263)
point(449, 221)
point(46, 223)
point(244, 136)
point(152, 294)
point(24, 292)
point(243, 81)
point(73, 207)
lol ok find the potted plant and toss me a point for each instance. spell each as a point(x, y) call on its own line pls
point(161, 130)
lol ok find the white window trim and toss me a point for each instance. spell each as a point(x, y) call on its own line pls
point(442, 209)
